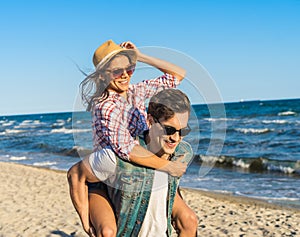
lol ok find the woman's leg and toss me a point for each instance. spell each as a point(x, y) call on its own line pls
point(185, 220)
point(101, 214)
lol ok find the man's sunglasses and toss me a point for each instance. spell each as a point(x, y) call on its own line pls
point(169, 130)
point(117, 73)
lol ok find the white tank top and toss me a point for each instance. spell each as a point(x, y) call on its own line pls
point(155, 222)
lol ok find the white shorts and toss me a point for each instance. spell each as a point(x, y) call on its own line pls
point(103, 164)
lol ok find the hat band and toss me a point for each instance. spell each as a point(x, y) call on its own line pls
point(106, 58)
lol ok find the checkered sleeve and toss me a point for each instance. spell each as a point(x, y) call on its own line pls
point(153, 86)
point(111, 127)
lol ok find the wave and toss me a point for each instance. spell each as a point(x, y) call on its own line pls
point(5, 123)
point(75, 151)
point(62, 130)
point(213, 190)
point(17, 158)
point(267, 198)
point(30, 124)
point(12, 131)
point(59, 122)
point(219, 119)
point(287, 113)
point(69, 130)
point(44, 163)
point(276, 121)
point(258, 164)
point(253, 130)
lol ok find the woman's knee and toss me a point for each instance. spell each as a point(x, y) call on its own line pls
point(107, 231)
point(193, 219)
point(189, 221)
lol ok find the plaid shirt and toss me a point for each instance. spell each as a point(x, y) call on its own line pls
point(117, 121)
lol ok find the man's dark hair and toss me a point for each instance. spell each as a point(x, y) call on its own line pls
point(168, 102)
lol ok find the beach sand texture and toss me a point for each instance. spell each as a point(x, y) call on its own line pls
point(36, 202)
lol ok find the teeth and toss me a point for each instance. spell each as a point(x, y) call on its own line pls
point(170, 143)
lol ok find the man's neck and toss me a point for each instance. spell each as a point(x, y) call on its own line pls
point(165, 156)
point(161, 154)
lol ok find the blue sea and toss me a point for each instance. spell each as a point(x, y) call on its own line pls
point(259, 155)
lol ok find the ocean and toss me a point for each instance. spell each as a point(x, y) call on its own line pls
point(259, 141)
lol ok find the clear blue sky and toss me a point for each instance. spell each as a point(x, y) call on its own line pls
point(250, 47)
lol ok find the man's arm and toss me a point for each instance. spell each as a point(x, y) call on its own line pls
point(78, 175)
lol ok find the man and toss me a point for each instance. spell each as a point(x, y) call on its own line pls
point(144, 200)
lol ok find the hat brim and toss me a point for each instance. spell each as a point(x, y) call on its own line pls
point(130, 52)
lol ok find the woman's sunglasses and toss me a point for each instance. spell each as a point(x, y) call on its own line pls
point(117, 73)
point(169, 130)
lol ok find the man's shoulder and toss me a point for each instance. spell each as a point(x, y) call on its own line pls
point(184, 148)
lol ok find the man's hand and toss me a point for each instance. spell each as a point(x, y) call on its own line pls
point(175, 168)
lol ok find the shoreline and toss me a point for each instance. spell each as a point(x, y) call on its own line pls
point(35, 202)
point(244, 199)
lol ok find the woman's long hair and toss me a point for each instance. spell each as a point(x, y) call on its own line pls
point(93, 88)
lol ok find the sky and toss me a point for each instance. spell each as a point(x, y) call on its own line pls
point(250, 48)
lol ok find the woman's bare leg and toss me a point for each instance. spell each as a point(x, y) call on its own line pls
point(185, 220)
point(101, 214)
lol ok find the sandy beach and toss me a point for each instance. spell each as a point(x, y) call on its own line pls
point(35, 202)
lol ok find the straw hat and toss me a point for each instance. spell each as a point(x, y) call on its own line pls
point(109, 49)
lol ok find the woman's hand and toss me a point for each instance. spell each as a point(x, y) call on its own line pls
point(130, 45)
point(175, 168)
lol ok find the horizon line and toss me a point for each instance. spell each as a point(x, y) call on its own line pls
point(227, 102)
